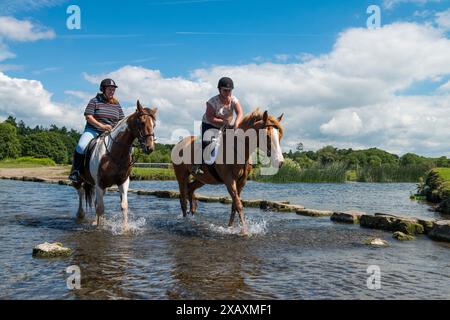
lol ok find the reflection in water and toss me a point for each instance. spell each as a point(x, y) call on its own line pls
point(169, 257)
point(103, 265)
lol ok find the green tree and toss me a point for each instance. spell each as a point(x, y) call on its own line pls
point(45, 145)
point(9, 142)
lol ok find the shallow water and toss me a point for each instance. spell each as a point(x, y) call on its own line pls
point(165, 256)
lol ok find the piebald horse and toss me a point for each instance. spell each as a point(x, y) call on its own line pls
point(109, 161)
point(233, 175)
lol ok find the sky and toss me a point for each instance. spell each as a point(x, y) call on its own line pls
point(338, 82)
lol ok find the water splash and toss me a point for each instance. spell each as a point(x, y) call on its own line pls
point(254, 228)
point(114, 224)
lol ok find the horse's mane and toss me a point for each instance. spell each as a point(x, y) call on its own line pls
point(148, 111)
point(257, 115)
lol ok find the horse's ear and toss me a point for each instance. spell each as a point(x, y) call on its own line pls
point(154, 110)
point(139, 106)
point(266, 117)
point(280, 118)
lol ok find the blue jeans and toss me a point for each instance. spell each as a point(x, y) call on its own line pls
point(86, 137)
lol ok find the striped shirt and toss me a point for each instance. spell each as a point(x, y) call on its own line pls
point(103, 112)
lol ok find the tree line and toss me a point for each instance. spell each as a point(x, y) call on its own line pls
point(58, 144)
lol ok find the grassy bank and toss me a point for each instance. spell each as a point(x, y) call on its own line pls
point(27, 162)
point(152, 174)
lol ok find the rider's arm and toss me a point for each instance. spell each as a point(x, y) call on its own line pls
point(90, 119)
point(211, 115)
point(239, 115)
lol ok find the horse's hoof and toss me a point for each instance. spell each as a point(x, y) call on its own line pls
point(245, 233)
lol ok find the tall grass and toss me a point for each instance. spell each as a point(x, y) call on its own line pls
point(292, 172)
point(392, 173)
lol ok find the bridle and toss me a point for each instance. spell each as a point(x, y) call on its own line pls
point(140, 136)
point(141, 139)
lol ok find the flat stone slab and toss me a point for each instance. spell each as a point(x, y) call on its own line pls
point(314, 213)
point(440, 231)
point(393, 223)
point(347, 216)
point(279, 206)
point(50, 250)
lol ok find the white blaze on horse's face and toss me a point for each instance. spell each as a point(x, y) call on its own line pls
point(276, 152)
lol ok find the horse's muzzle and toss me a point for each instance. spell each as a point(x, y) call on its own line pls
point(148, 149)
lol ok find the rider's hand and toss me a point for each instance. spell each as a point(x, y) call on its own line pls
point(107, 127)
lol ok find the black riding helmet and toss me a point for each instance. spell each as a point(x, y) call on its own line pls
point(226, 83)
point(107, 83)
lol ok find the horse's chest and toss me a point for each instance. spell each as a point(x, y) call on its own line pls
point(111, 173)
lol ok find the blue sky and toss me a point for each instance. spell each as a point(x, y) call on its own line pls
point(181, 39)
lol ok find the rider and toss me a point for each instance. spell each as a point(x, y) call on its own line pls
point(102, 113)
point(220, 111)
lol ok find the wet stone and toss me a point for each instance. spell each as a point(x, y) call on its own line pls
point(51, 250)
point(440, 231)
point(347, 216)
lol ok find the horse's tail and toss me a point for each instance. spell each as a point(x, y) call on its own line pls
point(88, 193)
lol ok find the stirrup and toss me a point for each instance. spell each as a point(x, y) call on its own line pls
point(75, 176)
point(197, 170)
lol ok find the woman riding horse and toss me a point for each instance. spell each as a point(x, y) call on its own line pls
point(219, 113)
point(102, 114)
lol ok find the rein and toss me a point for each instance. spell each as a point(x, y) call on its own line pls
point(141, 138)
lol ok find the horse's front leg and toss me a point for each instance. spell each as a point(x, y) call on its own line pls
point(99, 205)
point(237, 206)
point(240, 186)
point(80, 213)
point(123, 189)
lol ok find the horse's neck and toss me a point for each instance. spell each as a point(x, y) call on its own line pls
point(122, 134)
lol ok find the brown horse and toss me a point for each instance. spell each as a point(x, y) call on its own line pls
point(233, 174)
point(109, 160)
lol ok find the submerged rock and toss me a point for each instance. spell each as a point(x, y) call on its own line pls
point(386, 222)
point(347, 216)
point(440, 231)
point(402, 237)
point(376, 242)
point(50, 250)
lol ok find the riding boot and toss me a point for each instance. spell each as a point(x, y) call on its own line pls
point(76, 168)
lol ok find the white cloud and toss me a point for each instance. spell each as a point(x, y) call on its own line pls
point(343, 124)
point(29, 101)
point(180, 101)
point(23, 30)
point(443, 20)
point(445, 87)
point(4, 52)
point(390, 4)
point(13, 6)
point(12, 29)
